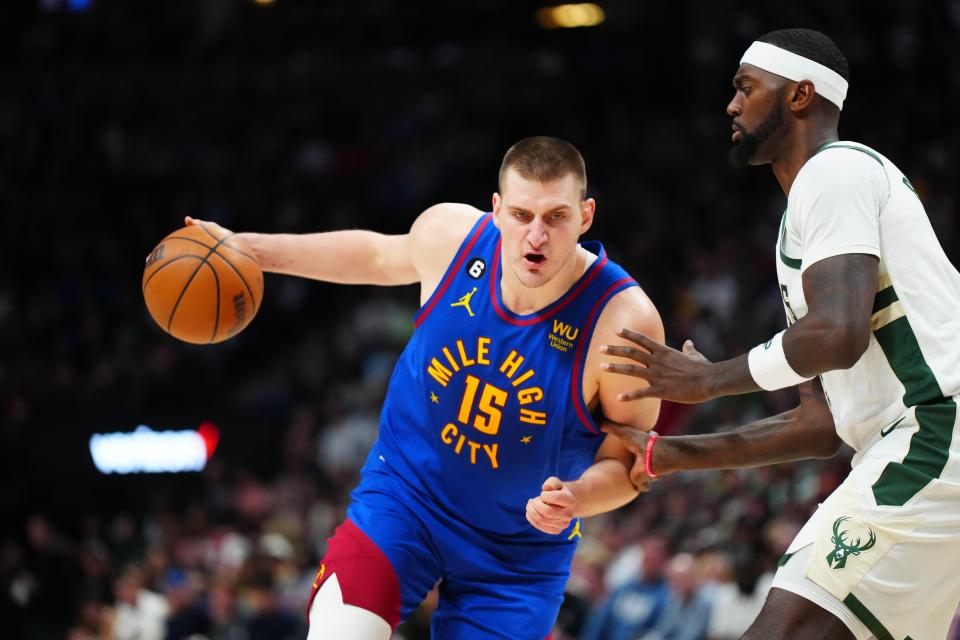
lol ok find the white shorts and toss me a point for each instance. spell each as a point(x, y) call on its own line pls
point(889, 571)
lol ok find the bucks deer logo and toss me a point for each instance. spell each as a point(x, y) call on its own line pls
point(842, 550)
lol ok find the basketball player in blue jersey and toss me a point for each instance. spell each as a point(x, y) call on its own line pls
point(489, 450)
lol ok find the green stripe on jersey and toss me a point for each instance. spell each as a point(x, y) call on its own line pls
point(909, 185)
point(899, 344)
point(868, 619)
point(836, 145)
point(884, 298)
point(926, 458)
point(936, 415)
point(793, 263)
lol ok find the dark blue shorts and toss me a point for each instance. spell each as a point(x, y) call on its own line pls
point(490, 586)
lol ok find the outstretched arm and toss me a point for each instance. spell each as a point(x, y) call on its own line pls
point(832, 335)
point(804, 432)
point(356, 256)
point(352, 256)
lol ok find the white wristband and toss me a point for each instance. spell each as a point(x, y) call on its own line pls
point(769, 367)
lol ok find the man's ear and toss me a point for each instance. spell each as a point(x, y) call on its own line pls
point(587, 208)
point(802, 96)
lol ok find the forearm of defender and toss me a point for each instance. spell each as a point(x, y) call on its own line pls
point(806, 431)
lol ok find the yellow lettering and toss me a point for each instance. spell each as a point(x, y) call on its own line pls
point(468, 395)
point(559, 343)
point(491, 451)
point(448, 432)
point(463, 355)
point(483, 350)
point(563, 328)
point(533, 417)
point(452, 437)
point(439, 372)
point(491, 401)
point(526, 376)
point(511, 364)
point(532, 394)
point(450, 359)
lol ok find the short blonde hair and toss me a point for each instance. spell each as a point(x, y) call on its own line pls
point(545, 159)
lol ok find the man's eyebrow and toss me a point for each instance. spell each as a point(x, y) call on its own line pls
point(560, 207)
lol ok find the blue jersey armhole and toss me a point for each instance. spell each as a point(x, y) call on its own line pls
point(576, 383)
point(468, 243)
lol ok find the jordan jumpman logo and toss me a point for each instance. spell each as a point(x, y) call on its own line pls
point(465, 302)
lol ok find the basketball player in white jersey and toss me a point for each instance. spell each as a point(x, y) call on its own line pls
point(873, 314)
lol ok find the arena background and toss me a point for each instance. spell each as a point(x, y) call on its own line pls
point(119, 118)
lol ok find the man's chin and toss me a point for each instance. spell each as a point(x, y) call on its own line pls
point(741, 156)
point(533, 280)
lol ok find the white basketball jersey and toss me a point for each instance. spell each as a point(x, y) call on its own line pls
point(849, 199)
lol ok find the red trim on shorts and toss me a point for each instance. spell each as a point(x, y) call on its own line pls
point(576, 382)
point(451, 273)
point(570, 296)
point(366, 576)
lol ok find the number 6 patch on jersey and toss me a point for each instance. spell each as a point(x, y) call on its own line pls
point(476, 268)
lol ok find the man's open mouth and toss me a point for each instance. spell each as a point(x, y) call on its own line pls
point(536, 258)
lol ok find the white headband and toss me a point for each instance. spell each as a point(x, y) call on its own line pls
point(827, 82)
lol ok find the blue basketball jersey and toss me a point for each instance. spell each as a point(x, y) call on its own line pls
point(485, 404)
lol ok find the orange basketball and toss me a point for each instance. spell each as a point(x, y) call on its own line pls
point(202, 285)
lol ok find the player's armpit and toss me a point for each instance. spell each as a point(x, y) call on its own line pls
point(629, 308)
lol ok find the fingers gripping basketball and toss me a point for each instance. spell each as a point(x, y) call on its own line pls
point(202, 284)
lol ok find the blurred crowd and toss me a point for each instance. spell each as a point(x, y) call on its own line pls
point(118, 120)
point(691, 560)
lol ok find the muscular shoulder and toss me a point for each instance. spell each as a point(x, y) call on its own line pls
point(436, 235)
point(447, 220)
point(631, 308)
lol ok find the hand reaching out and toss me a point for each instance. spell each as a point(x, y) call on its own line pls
point(680, 376)
point(635, 441)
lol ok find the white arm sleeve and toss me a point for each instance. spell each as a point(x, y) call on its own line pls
point(835, 205)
